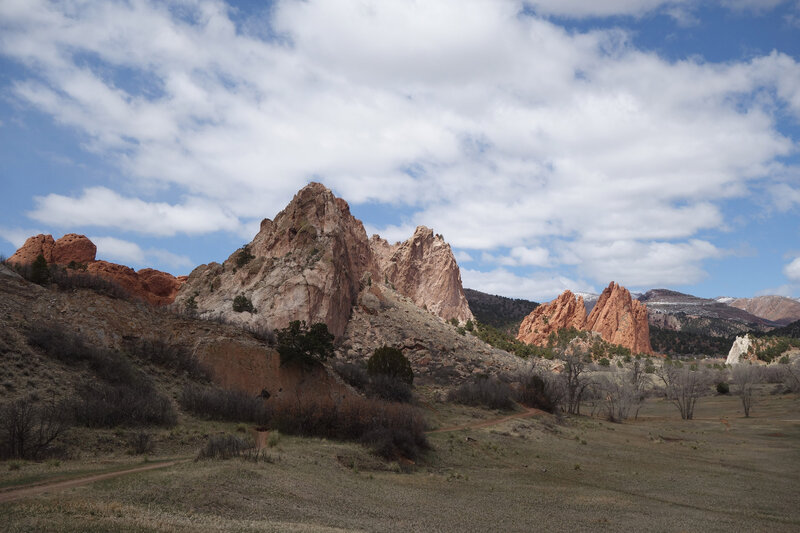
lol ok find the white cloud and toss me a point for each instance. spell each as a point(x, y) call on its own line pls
point(499, 129)
point(463, 257)
point(131, 254)
point(540, 287)
point(103, 207)
point(643, 265)
point(680, 9)
point(792, 270)
point(17, 236)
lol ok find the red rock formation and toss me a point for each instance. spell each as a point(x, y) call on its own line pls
point(153, 286)
point(566, 311)
point(72, 247)
point(616, 317)
point(423, 269)
point(621, 320)
point(34, 247)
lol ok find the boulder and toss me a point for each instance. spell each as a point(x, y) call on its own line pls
point(738, 353)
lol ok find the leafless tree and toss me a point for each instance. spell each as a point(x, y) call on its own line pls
point(623, 393)
point(575, 380)
point(683, 386)
point(27, 429)
point(744, 379)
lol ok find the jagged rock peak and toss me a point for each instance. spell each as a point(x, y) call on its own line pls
point(424, 269)
point(307, 264)
point(566, 311)
point(620, 319)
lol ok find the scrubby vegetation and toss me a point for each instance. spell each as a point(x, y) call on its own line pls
point(223, 404)
point(484, 391)
point(374, 385)
point(28, 428)
point(122, 394)
point(68, 279)
point(688, 343)
point(225, 446)
point(503, 340)
point(303, 345)
point(168, 356)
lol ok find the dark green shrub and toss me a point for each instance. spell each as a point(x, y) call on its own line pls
point(604, 362)
point(302, 345)
point(40, 270)
point(391, 362)
point(723, 388)
point(244, 256)
point(243, 304)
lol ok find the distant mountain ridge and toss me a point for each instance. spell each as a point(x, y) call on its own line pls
point(498, 311)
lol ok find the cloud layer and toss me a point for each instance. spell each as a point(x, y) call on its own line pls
point(500, 129)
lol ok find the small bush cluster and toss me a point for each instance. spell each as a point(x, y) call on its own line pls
point(392, 430)
point(244, 256)
point(487, 392)
point(242, 304)
point(541, 391)
point(224, 447)
point(723, 388)
point(389, 361)
point(141, 443)
point(223, 404)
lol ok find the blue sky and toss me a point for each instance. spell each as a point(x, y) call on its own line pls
point(555, 144)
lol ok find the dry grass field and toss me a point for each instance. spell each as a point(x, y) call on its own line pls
point(719, 472)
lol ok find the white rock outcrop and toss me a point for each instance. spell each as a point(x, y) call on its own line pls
point(738, 352)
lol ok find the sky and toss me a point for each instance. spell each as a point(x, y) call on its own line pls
point(555, 144)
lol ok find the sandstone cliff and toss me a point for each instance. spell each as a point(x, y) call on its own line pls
point(312, 261)
point(153, 286)
point(566, 311)
point(616, 317)
point(424, 269)
point(620, 319)
point(307, 264)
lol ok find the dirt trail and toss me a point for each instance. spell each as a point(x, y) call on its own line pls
point(530, 411)
point(35, 490)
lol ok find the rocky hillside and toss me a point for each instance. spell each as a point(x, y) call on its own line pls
point(616, 317)
point(235, 358)
point(440, 353)
point(79, 253)
point(498, 311)
point(778, 309)
point(311, 263)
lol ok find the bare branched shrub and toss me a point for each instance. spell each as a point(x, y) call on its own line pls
point(392, 430)
point(141, 443)
point(792, 375)
point(28, 430)
point(169, 356)
point(621, 396)
point(485, 391)
point(541, 389)
point(224, 404)
point(224, 447)
point(683, 386)
point(744, 379)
